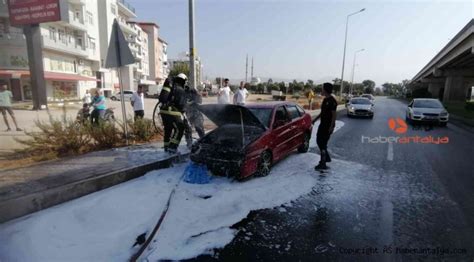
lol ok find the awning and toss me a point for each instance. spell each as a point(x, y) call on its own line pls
point(47, 75)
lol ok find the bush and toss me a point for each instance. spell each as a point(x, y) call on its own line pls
point(469, 106)
point(56, 138)
point(141, 130)
point(105, 135)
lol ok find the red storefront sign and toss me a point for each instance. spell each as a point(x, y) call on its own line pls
point(26, 12)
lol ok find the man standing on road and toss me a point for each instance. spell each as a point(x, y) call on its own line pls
point(241, 95)
point(138, 103)
point(326, 127)
point(224, 94)
point(6, 106)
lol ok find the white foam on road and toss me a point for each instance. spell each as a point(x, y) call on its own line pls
point(390, 152)
point(103, 226)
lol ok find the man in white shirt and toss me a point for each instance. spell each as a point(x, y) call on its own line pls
point(87, 99)
point(138, 103)
point(6, 106)
point(224, 94)
point(241, 95)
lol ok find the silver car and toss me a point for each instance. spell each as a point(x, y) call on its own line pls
point(427, 110)
point(360, 106)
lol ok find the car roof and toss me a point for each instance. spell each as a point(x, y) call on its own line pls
point(272, 104)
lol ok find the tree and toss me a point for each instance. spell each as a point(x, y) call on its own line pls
point(270, 81)
point(378, 91)
point(179, 68)
point(369, 86)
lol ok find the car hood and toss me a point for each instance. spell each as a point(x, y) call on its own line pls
point(230, 114)
point(361, 106)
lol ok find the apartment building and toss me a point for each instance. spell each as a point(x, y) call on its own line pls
point(133, 75)
point(71, 54)
point(164, 69)
point(75, 50)
point(157, 53)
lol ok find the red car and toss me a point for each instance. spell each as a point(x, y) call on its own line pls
point(250, 138)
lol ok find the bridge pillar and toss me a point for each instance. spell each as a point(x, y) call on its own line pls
point(436, 89)
point(455, 89)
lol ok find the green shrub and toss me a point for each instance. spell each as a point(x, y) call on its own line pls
point(58, 138)
point(105, 135)
point(141, 130)
point(469, 106)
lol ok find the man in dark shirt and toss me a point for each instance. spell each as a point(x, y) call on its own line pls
point(326, 127)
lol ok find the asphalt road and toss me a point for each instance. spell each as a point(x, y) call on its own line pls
point(402, 202)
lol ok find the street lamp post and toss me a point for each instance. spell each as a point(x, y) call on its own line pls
point(345, 42)
point(353, 69)
point(192, 50)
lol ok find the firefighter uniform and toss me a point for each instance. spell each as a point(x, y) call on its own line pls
point(167, 119)
point(176, 110)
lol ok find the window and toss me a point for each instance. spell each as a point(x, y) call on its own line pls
point(293, 112)
point(62, 36)
point(90, 18)
point(113, 9)
point(280, 114)
point(52, 33)
point(300, 110)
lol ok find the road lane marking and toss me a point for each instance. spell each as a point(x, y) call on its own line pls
point(390, 152)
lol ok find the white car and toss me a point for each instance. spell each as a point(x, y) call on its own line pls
point(360, 106)
point(127, 95)
point(369, 96)
point(427, 110)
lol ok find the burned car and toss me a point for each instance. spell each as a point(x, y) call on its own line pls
point(249, 139)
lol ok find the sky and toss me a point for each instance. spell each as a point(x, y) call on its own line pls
point(304, 39)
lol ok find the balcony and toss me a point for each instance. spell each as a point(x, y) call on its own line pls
point(12, 39)
point(76, 22)
point(126, 26)
point(64, 46)
point(126, 8)
point(78, 2)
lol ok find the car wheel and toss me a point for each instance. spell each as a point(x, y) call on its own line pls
point(265, 164)
point(113, 98)
point(443, 123)
point(407, 119)
point(305, 146)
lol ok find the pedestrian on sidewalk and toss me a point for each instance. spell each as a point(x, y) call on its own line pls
point(138, 103)
point(6, 106)
point(242, 94)
point(310, 97)
point(224, 94)
point(98, 102)
point(327, 124)
point(87, 99)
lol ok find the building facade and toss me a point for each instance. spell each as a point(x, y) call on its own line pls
point(75, 50)
point(183, 58)
point(71, 54)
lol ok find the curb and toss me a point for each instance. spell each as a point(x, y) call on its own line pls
point(36, 201)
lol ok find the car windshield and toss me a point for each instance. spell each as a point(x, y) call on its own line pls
point(360, 102)
point(427, 104)
point(263, 114)
point(367, 96)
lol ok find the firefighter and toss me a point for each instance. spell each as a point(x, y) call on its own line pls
point(176, 110)
point(193, 116)
point(167, 119)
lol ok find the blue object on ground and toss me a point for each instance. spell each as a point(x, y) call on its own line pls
point(196, 174)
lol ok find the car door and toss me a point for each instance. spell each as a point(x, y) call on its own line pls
point(297, 132)
point(281, 132)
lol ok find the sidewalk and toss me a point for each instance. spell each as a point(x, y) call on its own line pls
point(30, 189)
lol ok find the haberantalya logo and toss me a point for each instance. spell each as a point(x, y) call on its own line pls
point(399, 126)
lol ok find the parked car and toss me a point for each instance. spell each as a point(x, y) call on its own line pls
point(360, 106)
point(369, 96)
point(427, 110)
point(250, 139)
point(127, 95)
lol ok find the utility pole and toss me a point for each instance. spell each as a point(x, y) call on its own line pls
point(345, 43)
point(192, 51)
point(246, 67)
